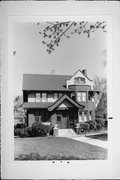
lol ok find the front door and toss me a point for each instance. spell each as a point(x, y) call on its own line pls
point(62, 120)
point(59, 121)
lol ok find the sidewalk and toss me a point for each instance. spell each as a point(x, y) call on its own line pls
point(96, 142)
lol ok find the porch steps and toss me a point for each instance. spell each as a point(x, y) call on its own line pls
point(66, 132)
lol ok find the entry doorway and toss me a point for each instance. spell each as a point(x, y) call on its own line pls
point(62, 119)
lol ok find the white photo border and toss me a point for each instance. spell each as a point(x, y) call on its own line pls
point(47, 169)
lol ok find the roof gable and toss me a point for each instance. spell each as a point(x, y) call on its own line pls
point(60, 102)
point(79, 79)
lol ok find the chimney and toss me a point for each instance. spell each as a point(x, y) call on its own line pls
point(84, 71)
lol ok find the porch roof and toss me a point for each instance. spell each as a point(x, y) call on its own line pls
point(60, 100)
point(35, 105)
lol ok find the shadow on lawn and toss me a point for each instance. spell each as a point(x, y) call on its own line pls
point(36, 156)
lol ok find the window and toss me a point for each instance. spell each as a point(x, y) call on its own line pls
point(44, 97)
point(51, 97)
point(84, 96)
point(31, 97)
point(60, 95)
point(81, 96)
point(55, 96)
point(37, 117)
point(38, 97)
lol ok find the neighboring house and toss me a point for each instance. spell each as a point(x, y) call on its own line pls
point(58, 99)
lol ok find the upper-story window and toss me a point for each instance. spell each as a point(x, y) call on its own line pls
point(60, 95)
point(50, 97)
point(81, 96)
point(55, 96)
point(38, 97)
point(44, 97)
point(31, 97)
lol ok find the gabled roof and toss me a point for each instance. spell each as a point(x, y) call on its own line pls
point(82, 73)
point(37, 105)
point(45, 82)
point(60, 100)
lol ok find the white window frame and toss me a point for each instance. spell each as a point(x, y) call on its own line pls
point(44, 98)
point(55, 96)
point(38, 97)
point(31, 97)
point(82, 96)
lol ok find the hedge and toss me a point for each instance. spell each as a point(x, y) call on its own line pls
point(37, 129)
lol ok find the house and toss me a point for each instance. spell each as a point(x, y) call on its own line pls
point(58, 99)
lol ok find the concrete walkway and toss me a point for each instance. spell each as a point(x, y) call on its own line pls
point(96, 142)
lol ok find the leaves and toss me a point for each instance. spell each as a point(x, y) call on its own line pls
point(55, 31)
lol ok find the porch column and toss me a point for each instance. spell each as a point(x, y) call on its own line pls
point(83, 116)
point(93, 115)
point(78, 117)
point(88, 115)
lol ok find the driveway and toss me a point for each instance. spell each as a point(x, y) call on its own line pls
point(96, 142)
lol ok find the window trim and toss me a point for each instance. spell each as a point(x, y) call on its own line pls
point(81, 96)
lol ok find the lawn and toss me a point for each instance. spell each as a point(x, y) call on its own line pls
point(103, 137)
point(56, 148)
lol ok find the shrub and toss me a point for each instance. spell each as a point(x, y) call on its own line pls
point(19, 126)
point(29, 132)
point(99, 126)
point(19, 132)
point(84, 127)
point(37, 129)
point(40, 129)
point(106, 124)
point(92, 124)
point(101, 121)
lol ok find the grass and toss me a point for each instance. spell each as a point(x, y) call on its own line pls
point(56, 148)
point(103, 137)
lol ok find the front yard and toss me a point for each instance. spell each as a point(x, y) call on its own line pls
point(56, 148)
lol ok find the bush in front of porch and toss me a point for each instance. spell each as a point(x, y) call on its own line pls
point(37, 130)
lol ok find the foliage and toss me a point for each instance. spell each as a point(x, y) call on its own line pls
point(84, 127)
point(18, 108)
point(99, 126)
point(100, 121)
point(55, 31)
point(19, 132)
point(37, 129)
point(92, 124)
point(19, 125)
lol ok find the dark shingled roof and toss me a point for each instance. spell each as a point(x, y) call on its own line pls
point(35, 105)
point(45, 82)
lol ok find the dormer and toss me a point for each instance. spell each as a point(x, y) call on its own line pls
point(80, 78)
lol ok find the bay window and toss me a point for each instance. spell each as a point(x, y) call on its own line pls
point(81, 96)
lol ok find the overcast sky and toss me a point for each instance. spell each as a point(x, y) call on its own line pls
point(78, 52)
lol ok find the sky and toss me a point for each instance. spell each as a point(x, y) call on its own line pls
point(77, 52)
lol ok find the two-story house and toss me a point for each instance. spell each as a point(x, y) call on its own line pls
point(58, 99)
